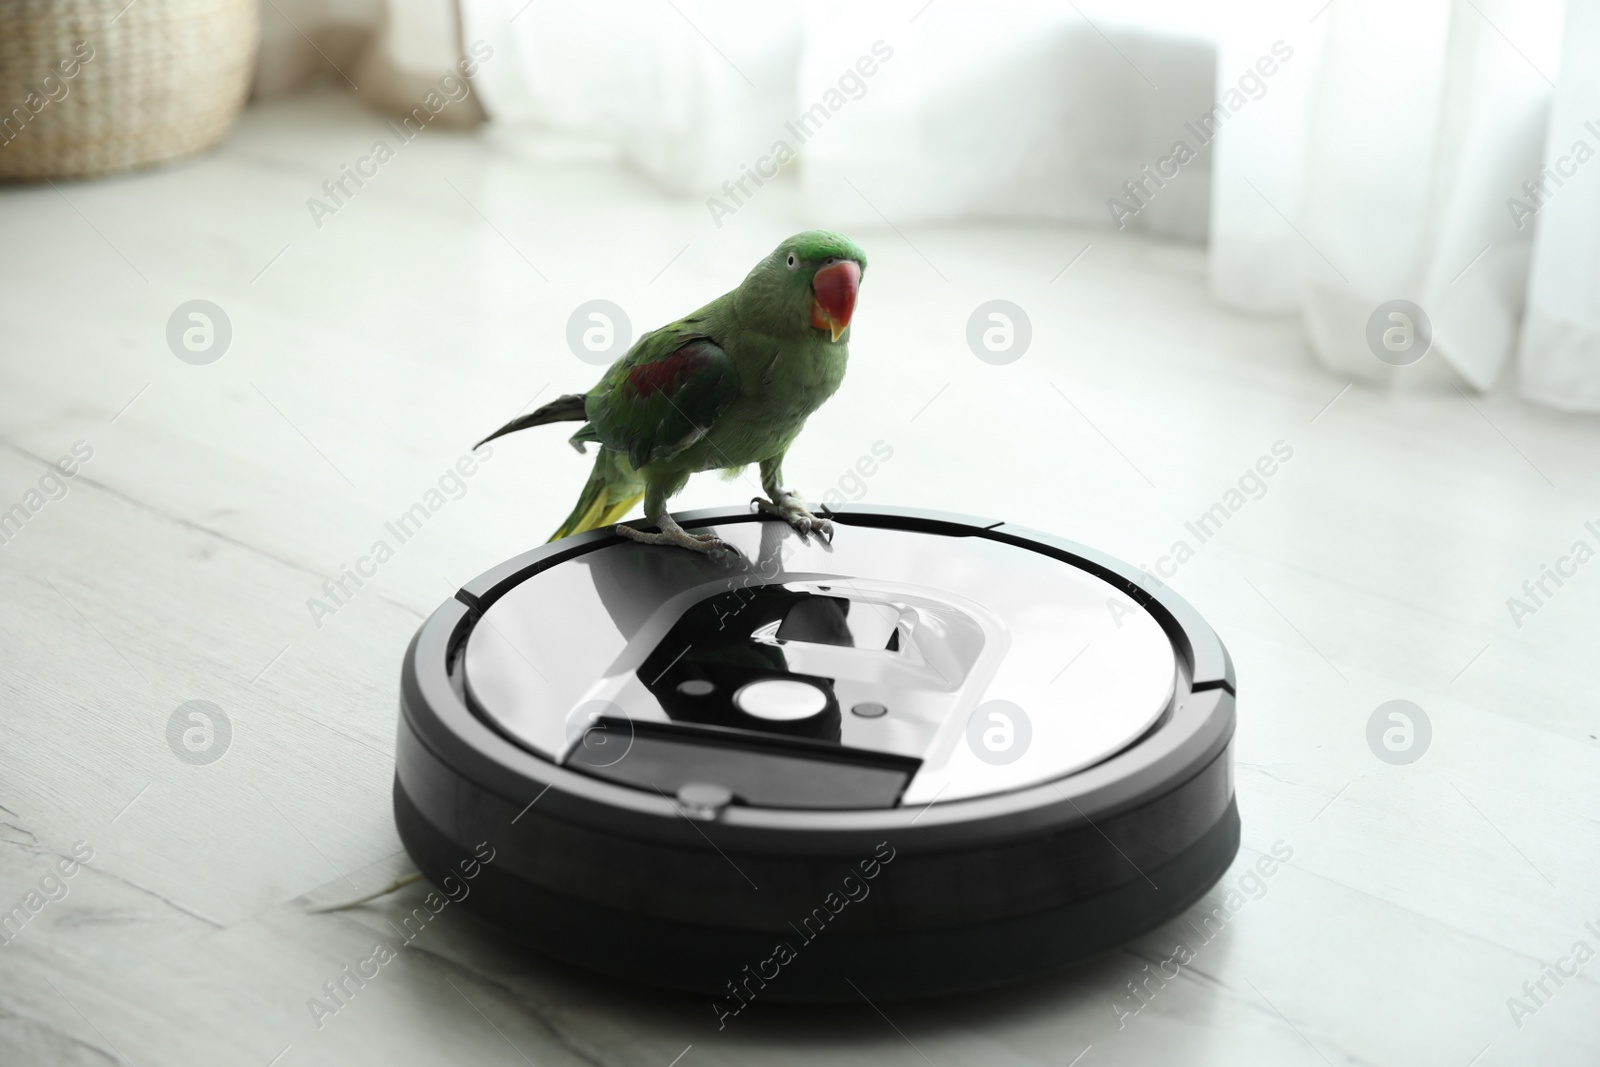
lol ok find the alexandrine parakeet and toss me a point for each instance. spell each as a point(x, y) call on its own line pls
point(729, 385)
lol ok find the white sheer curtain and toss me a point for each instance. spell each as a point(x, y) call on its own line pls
point(1368, 150)
point(1560, 356)
point(1016, 111)
point(957, 109)
point(1383, 172)
point(642, 77)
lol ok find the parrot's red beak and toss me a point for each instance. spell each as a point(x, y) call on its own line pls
point(834, 290)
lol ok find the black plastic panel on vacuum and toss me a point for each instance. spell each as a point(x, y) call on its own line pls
point(742, 718)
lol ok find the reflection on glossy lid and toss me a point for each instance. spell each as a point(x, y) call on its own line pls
point(998, 667)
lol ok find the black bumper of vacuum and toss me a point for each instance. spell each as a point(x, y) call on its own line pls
point(883, 959)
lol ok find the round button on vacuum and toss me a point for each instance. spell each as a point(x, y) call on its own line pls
point(702, 800)
point(869, 709)
point(696, 687)
point(780, 700)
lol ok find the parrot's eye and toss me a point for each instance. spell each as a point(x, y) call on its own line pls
point(793, 262)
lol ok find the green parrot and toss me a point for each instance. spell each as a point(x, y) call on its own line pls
point(729, 385)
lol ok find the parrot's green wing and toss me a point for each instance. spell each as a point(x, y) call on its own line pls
point(663, 395)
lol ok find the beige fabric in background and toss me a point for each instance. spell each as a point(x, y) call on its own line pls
point(392, 52)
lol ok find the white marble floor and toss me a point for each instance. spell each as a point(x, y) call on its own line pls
point(210, 501)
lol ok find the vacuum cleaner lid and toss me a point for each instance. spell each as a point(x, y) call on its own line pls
point(893, 667)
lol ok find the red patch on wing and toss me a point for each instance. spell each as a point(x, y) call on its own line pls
point(664, 375)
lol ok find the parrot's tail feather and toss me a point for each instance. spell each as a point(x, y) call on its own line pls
point(611, 492)
point(567, 408)
point(619, 509)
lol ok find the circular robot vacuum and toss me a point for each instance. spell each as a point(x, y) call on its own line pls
point(937, 755)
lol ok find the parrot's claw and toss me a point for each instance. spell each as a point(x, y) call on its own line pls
point(790, 510)
point(673, 534)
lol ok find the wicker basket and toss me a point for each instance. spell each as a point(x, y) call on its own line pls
point(91, 87)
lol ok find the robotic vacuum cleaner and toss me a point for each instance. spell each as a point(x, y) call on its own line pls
point(936, 755)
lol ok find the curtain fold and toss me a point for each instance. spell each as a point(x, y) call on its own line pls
point(1560, 342)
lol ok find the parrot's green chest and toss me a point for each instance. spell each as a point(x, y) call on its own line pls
point(776, 395)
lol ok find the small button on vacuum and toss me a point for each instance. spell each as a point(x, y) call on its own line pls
point(702, 800)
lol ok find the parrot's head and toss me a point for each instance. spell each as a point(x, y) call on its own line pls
point(808, 283)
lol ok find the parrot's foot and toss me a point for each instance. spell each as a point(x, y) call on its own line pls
point(673, 534)
point(787, 506)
